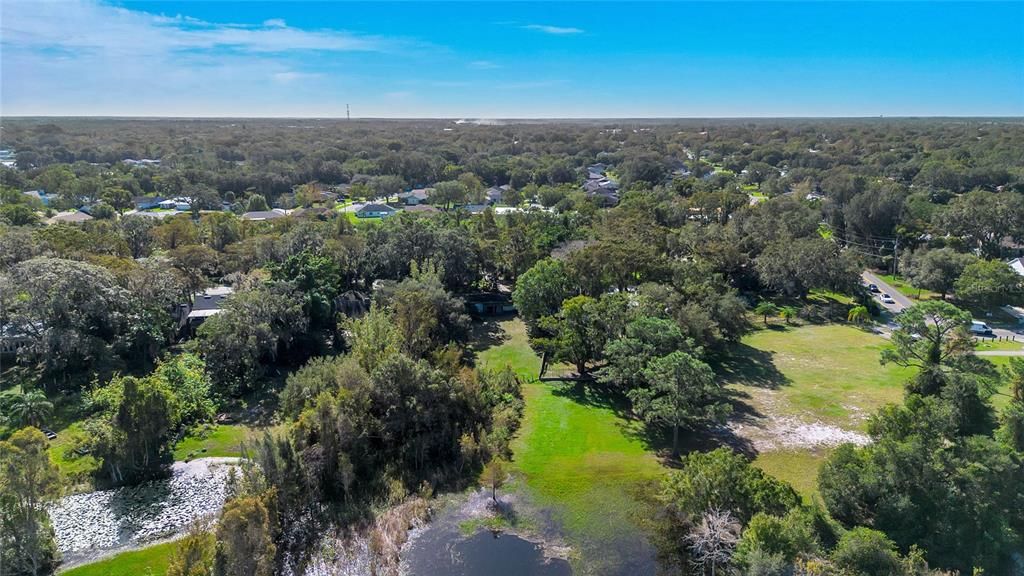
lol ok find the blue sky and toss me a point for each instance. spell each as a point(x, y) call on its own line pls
point(511, 60)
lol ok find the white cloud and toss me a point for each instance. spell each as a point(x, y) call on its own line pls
point(557, 30)
point(90, 25)
point(289, 76)
point(483, 65)
point(88, 57)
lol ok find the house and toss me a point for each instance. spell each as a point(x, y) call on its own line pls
point(12, 339)
point(474, 208)
point(1017, 264)
point(489, 304)
point(40, 195)
point(425, 209)
point(70, 217)
point(204, 304)
point(605, 198)
point(416, 196)
point(493, 195)
point(375, 211)
point(180, 204)
point(598, 168)
point(315, 212)
point(261, 215)
point(352, 303)
point(147, 202)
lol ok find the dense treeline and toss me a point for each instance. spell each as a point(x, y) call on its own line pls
point(717, 222)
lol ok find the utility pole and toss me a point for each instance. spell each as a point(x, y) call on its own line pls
point(895, 256)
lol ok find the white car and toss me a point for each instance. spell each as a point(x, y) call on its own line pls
point(980, 328)
point(886, 299)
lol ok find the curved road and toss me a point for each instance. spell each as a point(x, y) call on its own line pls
point(903, 302)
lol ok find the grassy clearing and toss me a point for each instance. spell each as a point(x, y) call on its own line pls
point(78, 469)
point(829, 373)
point(908, 290)
point(151, 561)
point(578, 457)
point(826, 372)
point(220, 440)
point(798, 467)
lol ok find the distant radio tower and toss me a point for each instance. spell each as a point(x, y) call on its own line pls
point(348, 113)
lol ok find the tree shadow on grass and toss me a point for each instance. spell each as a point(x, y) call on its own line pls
point(484, 334)
point(594, 394)
point(747, 365)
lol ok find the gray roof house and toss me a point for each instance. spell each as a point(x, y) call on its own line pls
point(70, 217)
point(415, 196)
point(375, 211)
point(493, 194)
point(204, 304)
point(147, 202)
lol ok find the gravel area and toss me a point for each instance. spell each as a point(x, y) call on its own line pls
point(92, 524)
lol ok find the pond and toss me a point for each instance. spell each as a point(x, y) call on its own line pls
point(444, 553)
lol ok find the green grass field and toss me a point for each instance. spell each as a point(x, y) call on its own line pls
point(985, 345)
point(829, 373)
point(151, 561)
point(216, 441)
point(798, 467)
point(577, 456)
point(825, 372)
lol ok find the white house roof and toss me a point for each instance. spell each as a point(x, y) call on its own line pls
point(1018, 265)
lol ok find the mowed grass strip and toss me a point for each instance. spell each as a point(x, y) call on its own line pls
point(579, 458)
point(150, 561)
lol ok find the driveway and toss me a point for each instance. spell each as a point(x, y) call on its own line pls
point(901, 300)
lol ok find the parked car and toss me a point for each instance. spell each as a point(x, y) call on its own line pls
point(873, 288)
point(980, 329)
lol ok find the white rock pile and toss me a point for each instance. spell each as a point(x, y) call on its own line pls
point(131, 516)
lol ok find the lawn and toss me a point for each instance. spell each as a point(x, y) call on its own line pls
point(213, 441)
point(905, 288)
point(77, 469)
point(579, 458)
point(798, 467)
point(829, 373)
point(150, 561)
point(984, 345)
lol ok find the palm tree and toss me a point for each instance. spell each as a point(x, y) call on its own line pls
point(788, 313)
point(29, 408)
point(766, 309)
point(858, 315)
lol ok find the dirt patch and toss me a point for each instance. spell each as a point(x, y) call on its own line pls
point(785, 433)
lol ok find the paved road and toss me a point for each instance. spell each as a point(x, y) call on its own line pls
point(901, 300)
point(1000, 353)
